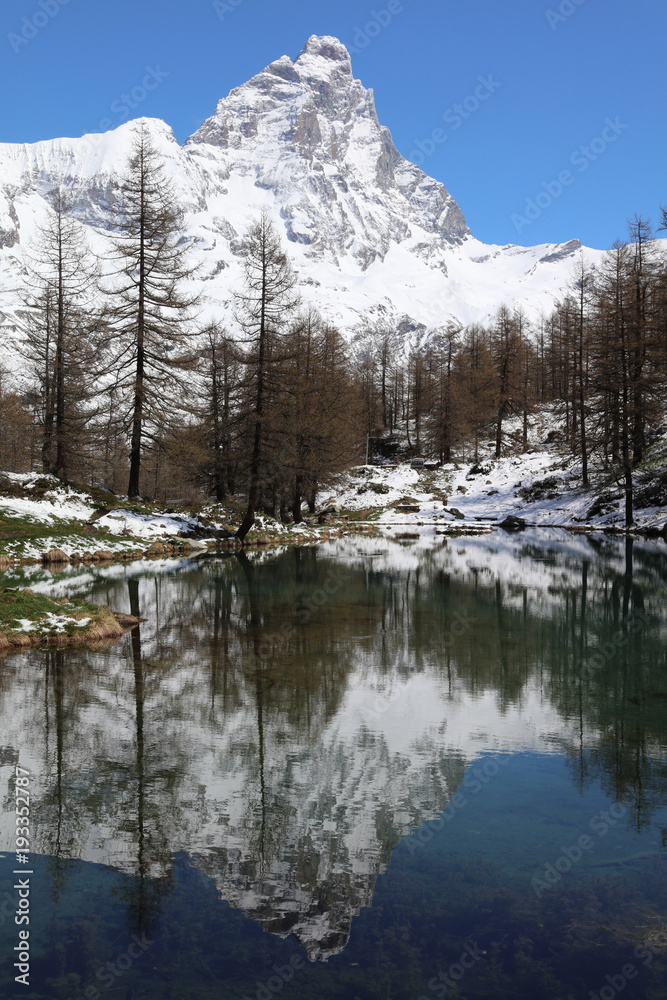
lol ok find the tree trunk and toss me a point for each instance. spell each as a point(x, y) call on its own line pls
point(138, 409)
point(499, 431)
point(59, 465)
point(296, 502)
point(249, 518)
point(137, 421)
point(627, 461)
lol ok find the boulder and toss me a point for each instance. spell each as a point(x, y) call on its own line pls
point(221, 533)
point(55, 556)
point(455, 512)
point(197, 545)
point(513, 523)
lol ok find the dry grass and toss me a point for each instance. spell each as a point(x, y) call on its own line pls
point(104, 626)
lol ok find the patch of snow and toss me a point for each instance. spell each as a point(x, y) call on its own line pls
point(145, 525)
point(50, 623)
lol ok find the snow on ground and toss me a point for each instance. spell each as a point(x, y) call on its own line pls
point(488, 496)
point(44, 500)
point(145, 525)
point(58, 504)
point(542, 485)
point(50, 623)
point(22, 548)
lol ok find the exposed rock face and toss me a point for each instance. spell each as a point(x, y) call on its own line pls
point(10, 236)
point(308, 132)
point(375, 241)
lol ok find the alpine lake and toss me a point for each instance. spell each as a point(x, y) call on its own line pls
point(380, 768)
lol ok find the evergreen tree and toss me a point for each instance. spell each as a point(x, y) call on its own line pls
point(61, 336)
point(15, 437)
point(220, 371)
point(506, 347)
point(318, 418)
point(151, 346)
point(264, 307)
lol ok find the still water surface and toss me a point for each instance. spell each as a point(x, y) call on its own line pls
point(375, 769)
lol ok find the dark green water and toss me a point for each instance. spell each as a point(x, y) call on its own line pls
point(368, 770)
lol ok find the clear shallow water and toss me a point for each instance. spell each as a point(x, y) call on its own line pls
point(359, 771)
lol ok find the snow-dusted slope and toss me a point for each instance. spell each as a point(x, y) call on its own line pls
point(371, 235)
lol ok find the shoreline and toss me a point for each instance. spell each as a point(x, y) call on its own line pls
point(46, 522)
point(312, 535)
point(57, 623)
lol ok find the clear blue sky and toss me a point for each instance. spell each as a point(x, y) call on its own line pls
point(556, 78)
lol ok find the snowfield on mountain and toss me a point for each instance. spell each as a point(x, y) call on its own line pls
point(374, 240)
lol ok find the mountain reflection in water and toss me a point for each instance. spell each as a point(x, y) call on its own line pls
point(286, 726)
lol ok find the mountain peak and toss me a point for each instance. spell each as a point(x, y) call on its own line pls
point(371, 234)
point(308, 132)
point(321, 56)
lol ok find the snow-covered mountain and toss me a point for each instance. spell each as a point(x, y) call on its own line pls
point(375, 241)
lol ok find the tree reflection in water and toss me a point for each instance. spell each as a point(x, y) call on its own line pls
point(286, 744)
